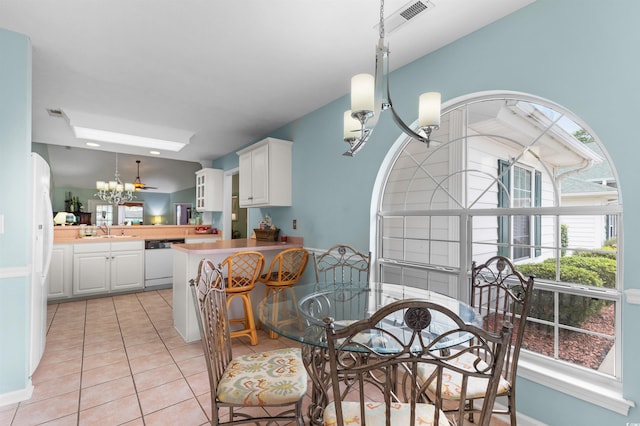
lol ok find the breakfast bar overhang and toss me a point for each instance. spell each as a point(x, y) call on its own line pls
point(186, 258)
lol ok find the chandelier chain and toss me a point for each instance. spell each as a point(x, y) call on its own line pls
point(382, 19)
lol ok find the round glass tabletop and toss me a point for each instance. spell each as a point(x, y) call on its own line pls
point(298, 312)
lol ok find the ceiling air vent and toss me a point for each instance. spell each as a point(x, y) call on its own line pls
point(407, 12)
point(55, 112)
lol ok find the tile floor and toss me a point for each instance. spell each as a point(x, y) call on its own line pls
point(119, 361)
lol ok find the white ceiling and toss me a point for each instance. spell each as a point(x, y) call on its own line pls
point(229, 71)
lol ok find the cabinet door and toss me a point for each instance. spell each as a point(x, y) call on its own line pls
point(91, 273)
point(245, 197)
point(60, 272)
point(127, 270)
point(260, 175)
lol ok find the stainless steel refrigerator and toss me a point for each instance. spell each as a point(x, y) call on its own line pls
point(41, 246)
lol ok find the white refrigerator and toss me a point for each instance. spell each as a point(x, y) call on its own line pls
point(41, 246)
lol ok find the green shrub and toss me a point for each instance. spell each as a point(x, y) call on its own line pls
point(564, 239)
point(604, 267)
point(573, 309)
point(608, 251)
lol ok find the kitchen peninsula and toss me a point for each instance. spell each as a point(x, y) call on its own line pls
point(186, 259)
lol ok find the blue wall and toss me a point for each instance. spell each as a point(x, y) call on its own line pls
point(576, 53)
point(15, 205)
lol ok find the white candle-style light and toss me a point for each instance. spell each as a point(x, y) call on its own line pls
point(100, 185)
point(362, 92)
point(112, 184)
point(351, 126)
point(429, 110)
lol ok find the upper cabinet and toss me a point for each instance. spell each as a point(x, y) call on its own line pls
point(209, 185)
point(265, 174)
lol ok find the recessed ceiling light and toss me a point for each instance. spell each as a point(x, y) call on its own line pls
point(154, 152)
point(93, 144)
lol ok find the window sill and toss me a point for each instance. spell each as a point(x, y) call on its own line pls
point(601, 394)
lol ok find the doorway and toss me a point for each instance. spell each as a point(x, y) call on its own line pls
point(238, 214)
point(182, 213)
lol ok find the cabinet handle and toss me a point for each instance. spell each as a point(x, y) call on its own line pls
point(250, 198)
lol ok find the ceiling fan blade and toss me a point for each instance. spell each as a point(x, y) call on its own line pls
point(138, 184)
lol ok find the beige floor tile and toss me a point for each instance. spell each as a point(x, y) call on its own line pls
point(100, 347)
point(112, 413)
point(61, 369)
point(199, 383)
point(149, 362)
point(105, 358)
point(106, 392)
point(47, 410)
point(187, 412)
point(156, 377)
point(54, 387)
point(188, 351)
point(145, 349)
point(136, 422)
point(193, 365)
point(104, 374)
point(6, 414)
point(70, 420)
point(163, 396)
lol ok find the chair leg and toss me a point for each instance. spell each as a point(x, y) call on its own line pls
point(511, 404)
point(247, 321)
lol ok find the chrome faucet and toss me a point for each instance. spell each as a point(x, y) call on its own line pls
point(105, 229)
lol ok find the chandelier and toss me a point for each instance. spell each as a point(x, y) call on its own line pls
point(115, 192)
point(370, 96)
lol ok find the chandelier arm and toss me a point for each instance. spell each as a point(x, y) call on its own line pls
point(403, 126)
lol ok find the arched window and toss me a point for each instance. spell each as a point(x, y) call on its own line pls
point(515, 175)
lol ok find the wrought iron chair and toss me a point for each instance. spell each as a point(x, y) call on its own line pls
point(382, 365)
point(342, 263)
point(284, 271)
point(274, 378)
point(243, 270)
point(500, 294)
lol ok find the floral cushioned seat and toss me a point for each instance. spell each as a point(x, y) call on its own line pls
point(451, 380)
point(375, 414)
point(266, 378)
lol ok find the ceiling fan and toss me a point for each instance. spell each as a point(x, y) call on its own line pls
point(138, 183)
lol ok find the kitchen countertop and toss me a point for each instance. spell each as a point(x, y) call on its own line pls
point(70, 234)
point(241, 244)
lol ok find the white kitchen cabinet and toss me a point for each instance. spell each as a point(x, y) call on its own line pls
point(127, 267)
point(106, 267)
point(209, 190)
point(265, 174)
point(60, 272)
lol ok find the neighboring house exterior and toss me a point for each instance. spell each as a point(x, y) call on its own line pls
point(595, 186)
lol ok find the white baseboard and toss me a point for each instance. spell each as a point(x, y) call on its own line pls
point(17, 396)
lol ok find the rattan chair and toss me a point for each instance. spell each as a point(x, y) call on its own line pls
point(342, 263)
point(284, 271)
point(382, 364)
point(243, 269)
point(268, 379)
point(500, 294)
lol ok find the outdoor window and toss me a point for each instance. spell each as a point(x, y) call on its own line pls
point(523, 178)
point(104, 214)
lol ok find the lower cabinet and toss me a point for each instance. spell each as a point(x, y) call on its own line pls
point(60, 272)
point(107, 267)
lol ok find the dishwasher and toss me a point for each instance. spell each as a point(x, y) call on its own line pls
point(158, 263)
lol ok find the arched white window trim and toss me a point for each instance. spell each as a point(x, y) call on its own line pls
point(591, 387)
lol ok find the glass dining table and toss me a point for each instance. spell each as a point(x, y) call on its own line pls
point(299, 312)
